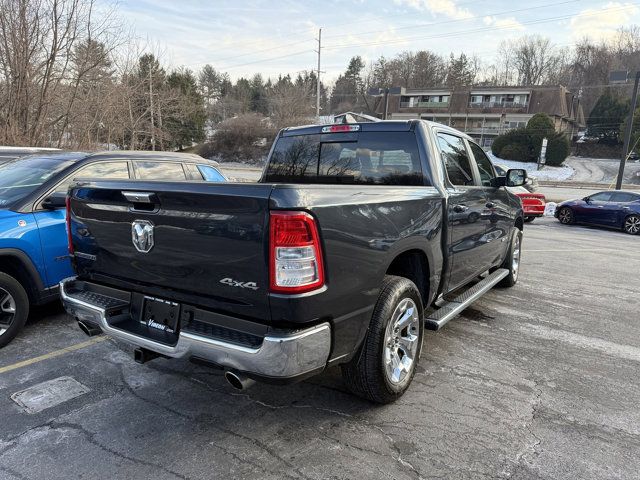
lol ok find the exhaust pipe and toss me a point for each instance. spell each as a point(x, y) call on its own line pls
point(91, 329)
point(238, 381)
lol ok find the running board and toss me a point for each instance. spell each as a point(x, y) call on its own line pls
point(436, 320)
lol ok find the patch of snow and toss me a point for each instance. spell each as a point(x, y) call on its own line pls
point(547, 173)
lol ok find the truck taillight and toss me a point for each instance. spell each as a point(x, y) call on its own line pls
point(295, 264)
point(69, 239)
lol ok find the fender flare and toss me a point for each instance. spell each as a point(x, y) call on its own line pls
point(30, 268)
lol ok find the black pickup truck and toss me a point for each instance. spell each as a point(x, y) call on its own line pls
point(356, 238)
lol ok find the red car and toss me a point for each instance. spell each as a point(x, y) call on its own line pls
point(533, 203)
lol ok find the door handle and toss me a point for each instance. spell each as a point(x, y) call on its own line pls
point(490, 205)
point(460, 208)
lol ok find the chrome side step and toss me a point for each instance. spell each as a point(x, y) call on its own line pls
point(436, 320)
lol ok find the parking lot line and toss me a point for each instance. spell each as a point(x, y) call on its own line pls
point(55, 353)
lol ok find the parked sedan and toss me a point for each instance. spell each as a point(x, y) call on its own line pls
point(34, 253)
point(532, 203)
point(613, 209)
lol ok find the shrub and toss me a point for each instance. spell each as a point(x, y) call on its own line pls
point(524, 144)
point(517, 152)
point(558, 150)
point(245, 137)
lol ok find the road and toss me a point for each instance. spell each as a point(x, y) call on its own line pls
point(540, 381)
point(602, 170)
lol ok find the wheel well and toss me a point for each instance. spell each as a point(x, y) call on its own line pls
point(413, 264)
point(14, 267)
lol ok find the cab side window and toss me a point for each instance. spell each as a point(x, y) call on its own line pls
point(601, 197)
point(484, 165)
point(96, 171)
point(456, 160)
point(150, 170)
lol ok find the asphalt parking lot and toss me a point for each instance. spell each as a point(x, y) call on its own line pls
point(539, 381)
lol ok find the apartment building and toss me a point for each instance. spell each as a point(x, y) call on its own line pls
point(486, 112)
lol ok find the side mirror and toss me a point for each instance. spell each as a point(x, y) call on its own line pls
point(55, 201)
point(516, 177)
point(586, 199)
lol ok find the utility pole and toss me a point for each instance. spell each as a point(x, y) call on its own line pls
point(627, 135)
point(386, 104)
point(318, 74)
point(153, 133)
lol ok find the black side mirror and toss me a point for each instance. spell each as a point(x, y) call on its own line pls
point(55, 201)
point(586, 199)
point(516, 177)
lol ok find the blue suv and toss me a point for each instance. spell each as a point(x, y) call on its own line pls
point(33, 240)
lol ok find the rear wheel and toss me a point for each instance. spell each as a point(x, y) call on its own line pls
point(632, 224)
point(512, 260)
point(383, 369)
point(529, 219)
point(565, 215)
point(14, 308)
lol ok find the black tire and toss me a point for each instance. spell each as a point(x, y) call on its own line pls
point(566, 216)
point(509, 262)
point(631, 225)
point(12, 296)
point(529, 219)
point(366, 375)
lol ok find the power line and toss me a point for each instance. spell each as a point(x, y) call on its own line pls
point(475, 17)
point(483, 29)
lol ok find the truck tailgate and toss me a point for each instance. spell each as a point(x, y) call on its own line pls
point(209, 240)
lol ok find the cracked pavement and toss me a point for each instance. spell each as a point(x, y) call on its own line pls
point(537, 382)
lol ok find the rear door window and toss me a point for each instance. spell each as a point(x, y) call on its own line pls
point(484, 164)
point(375, 158)
point(150, 170)
point(624, 197)
point(456, 160)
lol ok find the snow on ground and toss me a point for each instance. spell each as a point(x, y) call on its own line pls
point(547, 173)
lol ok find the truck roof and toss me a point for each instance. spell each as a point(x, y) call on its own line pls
point(381, 126)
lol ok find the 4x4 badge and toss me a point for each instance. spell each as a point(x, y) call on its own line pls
point(235, 283)
point(142, 235)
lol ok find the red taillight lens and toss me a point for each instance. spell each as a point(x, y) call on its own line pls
point(68, 219)
point(295, 264)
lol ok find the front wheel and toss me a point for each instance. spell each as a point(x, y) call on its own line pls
point(529, 219)
point(512, 260)
point(565, 215)
point(14, 308)
point(632, 224)
point(383, 369)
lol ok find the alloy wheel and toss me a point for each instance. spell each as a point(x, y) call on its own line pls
point(401, 342)
point(632, 225)
point(7, 310)
point(565, 216)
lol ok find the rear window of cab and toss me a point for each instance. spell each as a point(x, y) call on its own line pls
point(369, 158)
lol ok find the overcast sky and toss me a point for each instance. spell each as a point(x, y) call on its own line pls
point(278, 36)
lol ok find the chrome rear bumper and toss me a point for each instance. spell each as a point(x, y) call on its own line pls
point(283, 353)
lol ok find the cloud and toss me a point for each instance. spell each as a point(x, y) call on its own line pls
point(602, 23)
point(506, 23)
point(438, 7)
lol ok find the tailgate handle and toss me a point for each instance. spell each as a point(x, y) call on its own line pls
point(139, 197)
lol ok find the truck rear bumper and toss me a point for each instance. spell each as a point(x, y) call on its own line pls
point(281, 355)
